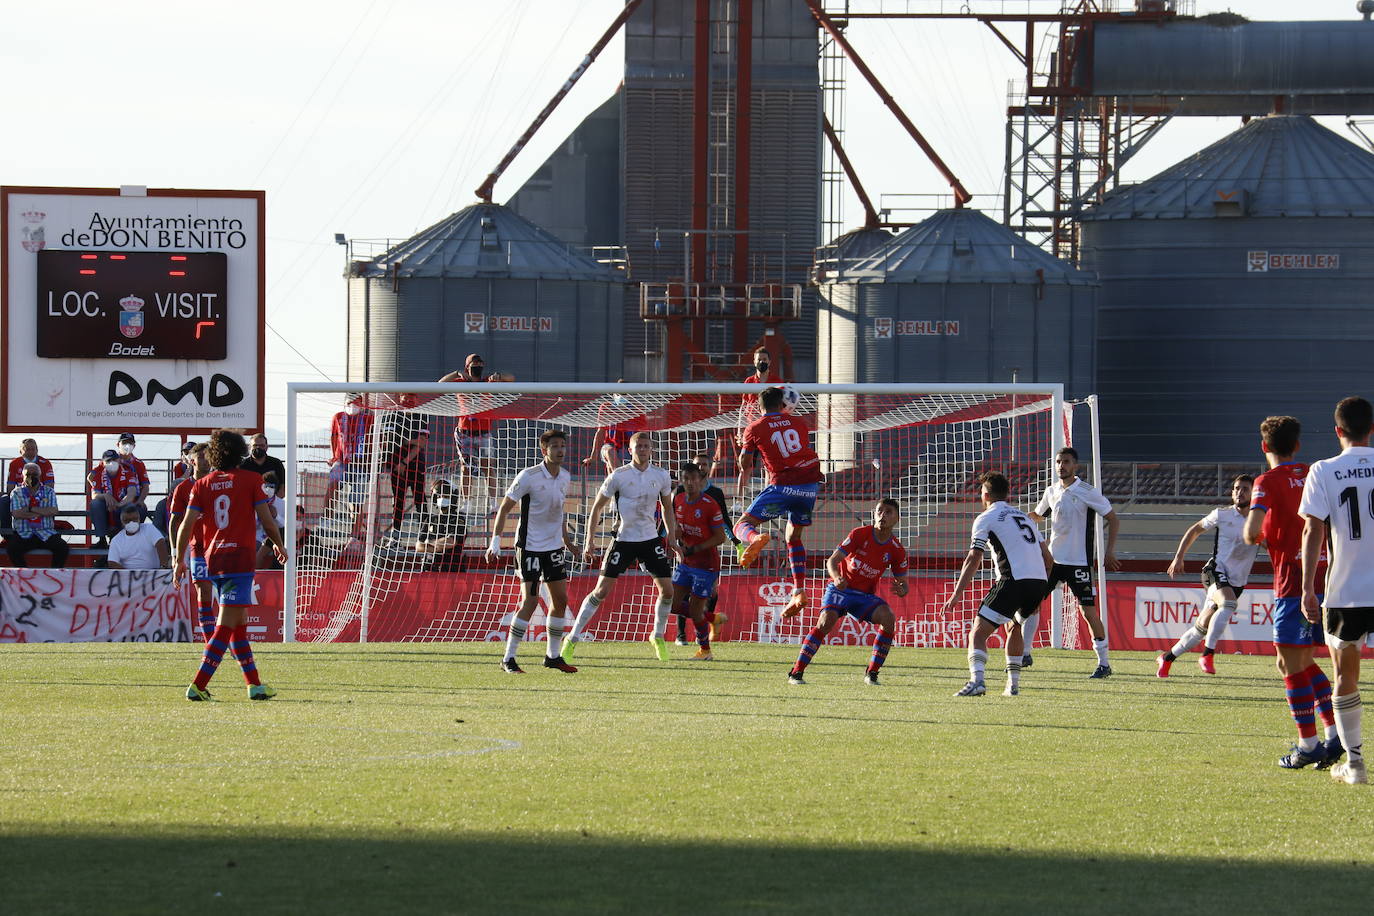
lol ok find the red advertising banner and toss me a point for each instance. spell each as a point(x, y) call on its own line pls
point(83, 605)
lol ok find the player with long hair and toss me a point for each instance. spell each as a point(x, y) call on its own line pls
point(223, 511)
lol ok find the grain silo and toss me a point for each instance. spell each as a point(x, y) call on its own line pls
point(1235, 285)
point(958, 298)
point(484, 280)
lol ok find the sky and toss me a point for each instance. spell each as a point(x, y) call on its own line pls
point(376, 118)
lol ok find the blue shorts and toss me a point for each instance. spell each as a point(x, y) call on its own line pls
point(234, 589)
point(859, 605)
point(198, 571)
point(701, 582)
point(794, 500)
point(1291, 628)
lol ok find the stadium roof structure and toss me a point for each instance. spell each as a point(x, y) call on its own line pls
point(485, 240)
point(962, 246)
point(1275, 166)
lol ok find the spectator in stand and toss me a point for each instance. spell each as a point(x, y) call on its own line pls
point(442, 529)
point(28, 454)
point(748, 411)
point(404, 437)
point(125, 447)
point(113, 486)
point(348, 459)
point(270, 486)
point(259, 462)
point(33, 505)
point(139, 545)
point(473, 434)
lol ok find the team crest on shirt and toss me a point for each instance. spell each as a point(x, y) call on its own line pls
point(698, 513)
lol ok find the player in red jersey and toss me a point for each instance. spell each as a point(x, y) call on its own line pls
point(222, 511)
point(794, 479)
point(701, 531)
point(1274, 522)
point(855, 568)
point(198, 467)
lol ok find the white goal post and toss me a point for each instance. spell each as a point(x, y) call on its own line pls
point(370, 569)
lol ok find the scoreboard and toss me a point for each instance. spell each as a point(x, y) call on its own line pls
point(132, 309)
point(132, 304)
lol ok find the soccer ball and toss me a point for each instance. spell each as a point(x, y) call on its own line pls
point(791, 400)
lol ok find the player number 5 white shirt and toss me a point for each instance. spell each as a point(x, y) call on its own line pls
point(541, 497)
point(636, 494)
point(1340, 492)
point(1014, 539)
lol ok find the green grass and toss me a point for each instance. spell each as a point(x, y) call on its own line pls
point(419, 778)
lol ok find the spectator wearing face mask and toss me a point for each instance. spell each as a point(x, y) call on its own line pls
point(28, 454)
point(139, 545)
point(442, 529)
point(271, 488)
point(113, 487)
point(348, 461)
point(125, 447)
point(259, 462)
point(32, 506)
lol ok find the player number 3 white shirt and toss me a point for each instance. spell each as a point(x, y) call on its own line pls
point(1340, 492)
point(636, 494)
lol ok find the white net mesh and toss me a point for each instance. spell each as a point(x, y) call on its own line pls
point(370, 568)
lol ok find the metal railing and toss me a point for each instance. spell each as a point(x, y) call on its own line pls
point(780, 301)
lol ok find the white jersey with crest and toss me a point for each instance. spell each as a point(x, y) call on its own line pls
point(1014, 539)
point(636, 494)
point(1340, 492)
point(1068, 510)
point(1234, 557)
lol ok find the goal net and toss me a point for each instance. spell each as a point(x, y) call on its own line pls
point(377, 562)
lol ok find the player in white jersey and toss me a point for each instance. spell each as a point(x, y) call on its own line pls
point(641, 490)
point(1337, 505)
point(1023, 565)
point(541, 547)
point(1069, 503)
point(1224, 575)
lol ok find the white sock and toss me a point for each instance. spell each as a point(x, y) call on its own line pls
point(1190, 638)
point(1348, 724)
point(1329, 731)
point(1308, 744)
point(554, 628)
point(517, 633)
point(661, 612)
point(1100, 647)
point(1028, 628)
point(1014, 672)
point(977, 663)
point(584, 616)
point(1218, 625)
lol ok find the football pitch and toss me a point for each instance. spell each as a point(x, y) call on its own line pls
point(419, 778)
